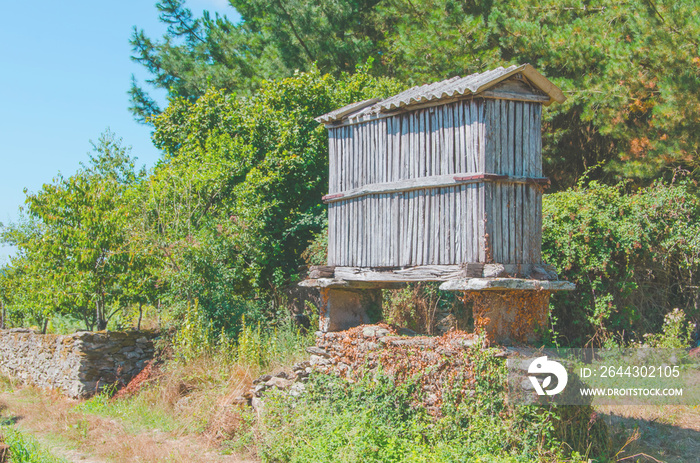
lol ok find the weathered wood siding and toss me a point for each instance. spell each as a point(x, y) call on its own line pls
point(444, 224)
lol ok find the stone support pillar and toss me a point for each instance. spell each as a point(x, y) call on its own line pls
point(510, 317)
point(342, 309)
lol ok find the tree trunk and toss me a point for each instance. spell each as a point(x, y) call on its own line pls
point(138, 326)
point(100, 316)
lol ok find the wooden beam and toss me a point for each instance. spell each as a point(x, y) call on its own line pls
point(506, 284)
point(435, 181)
point(344, 284)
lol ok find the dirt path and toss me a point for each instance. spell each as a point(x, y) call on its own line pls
point(669, 434)
point(87, 438)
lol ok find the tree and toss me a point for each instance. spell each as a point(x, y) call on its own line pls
point(631, 70)
point(237, 196)
point(74, 253)
point(196, 54)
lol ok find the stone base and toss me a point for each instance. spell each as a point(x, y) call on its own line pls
point(510, 317)
point(342, 309)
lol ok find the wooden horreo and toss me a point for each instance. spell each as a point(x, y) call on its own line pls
point(442, 182)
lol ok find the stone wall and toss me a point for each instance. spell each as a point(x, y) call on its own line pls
point(78, 364)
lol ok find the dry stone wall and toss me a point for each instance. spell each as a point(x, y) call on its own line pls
point(79, 364)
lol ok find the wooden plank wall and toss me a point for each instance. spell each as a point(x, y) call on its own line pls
point(439, 226)
point(514, 211)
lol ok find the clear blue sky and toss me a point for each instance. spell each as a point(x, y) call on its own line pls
point(64, 75)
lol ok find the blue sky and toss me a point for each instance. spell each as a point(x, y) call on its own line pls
point(64, 79)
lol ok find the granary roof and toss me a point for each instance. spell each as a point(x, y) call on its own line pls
point(447, 89)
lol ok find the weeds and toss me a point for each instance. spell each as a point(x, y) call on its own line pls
point(376, 419)
point(25, 449)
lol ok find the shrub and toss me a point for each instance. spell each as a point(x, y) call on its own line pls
point(381, 419)
point(634, 257)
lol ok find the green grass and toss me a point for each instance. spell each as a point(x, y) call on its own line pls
point(379, 420)
point(25, 449)
point(138, 413)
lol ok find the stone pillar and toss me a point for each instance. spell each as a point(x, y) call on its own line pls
point(342, 309)
point(510, 316)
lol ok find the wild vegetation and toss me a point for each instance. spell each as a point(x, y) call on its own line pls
point(206, 244)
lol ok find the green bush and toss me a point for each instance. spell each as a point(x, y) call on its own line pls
point(379, 419)
point(633, 256)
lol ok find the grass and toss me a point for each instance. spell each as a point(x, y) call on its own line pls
point(25, 449)
point(378, 420)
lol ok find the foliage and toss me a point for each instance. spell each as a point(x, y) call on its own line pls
point(634, 258)
point(377, 419)
point(630, 70)
point(236, 198)
point(256, 344)
point(25, 449)
point(417, 306)
point(74, 253)
point(676, 333)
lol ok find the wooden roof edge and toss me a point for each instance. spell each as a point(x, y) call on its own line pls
point(341, 112)
point(527, 70)
point(552, 91)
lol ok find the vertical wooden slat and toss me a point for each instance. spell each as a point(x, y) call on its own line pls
point(342, 157)
point(385, 234)
point(405, 146)
point(538, 139)
point(369, 260)
point(435, 228)
point(347, 155)
point(412, 246)
point(420, 224)
point(357, 232)
point(440, 218)
point(396, 150)
point(352, 153)
point(505, 169)
point(450, 225)
point(376, 151)
point(527, 211)
point(448, 138)
point(433, 135)
point(381, 149)
point(497, 217)
point(487, 157)
point(351, 221)
point(356, 155)
point(421, 152)
point(413, 134)
point(346, 232)
point(331, 161)
point(458, 229)
point(459, 152)
point(440, 143)
point(405, 229)
point(527, 156)
point(469, 138)
point(475, 222)
point(518, 138)
point(331, 238)
point(511, 189)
